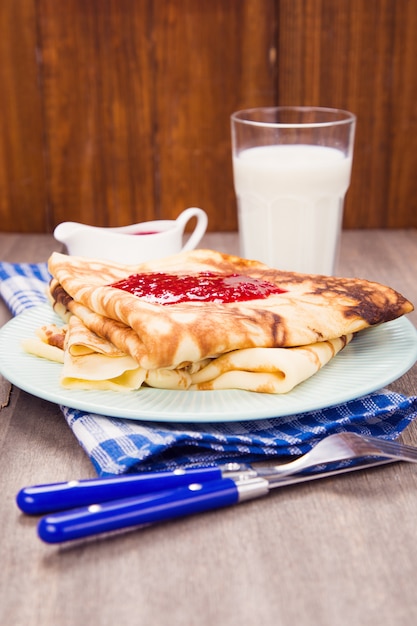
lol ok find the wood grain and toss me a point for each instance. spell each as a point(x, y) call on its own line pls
point(358, 55)
point(336, 552)
point(116, 111)
point(22, 174)
point(212, 58)
point(98, 77)
point(146, 102)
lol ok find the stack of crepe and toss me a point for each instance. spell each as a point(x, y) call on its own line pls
point(114, 339)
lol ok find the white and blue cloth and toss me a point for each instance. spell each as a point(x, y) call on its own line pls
point(117, 446)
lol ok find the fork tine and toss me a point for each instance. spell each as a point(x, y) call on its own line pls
point(394, 448)
point(344, 446)
point(373, 446)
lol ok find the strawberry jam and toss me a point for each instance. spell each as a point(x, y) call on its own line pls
point(164, 288)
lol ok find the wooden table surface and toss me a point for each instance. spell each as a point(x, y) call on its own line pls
point(341, 551)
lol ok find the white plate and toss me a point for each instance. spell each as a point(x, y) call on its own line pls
point(376, 357)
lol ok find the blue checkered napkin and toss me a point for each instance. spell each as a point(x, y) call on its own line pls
point(23, 285)
point(117, 445)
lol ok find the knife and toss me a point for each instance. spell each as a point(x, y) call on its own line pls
point(40, 499)
point(166, 504)
point(53, 497)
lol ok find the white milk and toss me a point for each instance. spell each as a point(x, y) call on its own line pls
point(290, 200)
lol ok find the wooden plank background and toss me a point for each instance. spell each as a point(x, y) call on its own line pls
point(117, 111)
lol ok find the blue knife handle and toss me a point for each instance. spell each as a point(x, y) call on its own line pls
point(145, 509)
point(41, 499)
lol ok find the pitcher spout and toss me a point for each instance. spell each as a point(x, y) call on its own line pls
point(65, 231)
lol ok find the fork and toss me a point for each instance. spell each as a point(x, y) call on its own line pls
point(41, 499)
point(342, 446)
point(235, 486)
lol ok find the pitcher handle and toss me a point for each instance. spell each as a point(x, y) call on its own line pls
point(199, 230)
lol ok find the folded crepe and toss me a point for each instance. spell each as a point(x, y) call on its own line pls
point(91, 362)
point(206, 320)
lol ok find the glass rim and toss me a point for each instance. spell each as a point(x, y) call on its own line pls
point(348, 117)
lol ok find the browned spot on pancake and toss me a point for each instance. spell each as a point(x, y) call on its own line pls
point(53, 335)
point(355, 297)
point(58, 293)
point(365, 300)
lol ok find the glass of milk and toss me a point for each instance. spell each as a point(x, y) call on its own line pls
point(292, 168)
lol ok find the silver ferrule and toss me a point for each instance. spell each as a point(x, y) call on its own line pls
point(252, 488)
point(237, 471)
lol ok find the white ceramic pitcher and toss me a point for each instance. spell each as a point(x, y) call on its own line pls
point(133, 244)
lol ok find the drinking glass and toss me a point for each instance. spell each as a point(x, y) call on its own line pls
point(292, 168)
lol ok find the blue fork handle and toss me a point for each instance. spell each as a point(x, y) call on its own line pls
point(144, 509)
point(41, 499)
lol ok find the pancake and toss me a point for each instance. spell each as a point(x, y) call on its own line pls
point(90, 362)
point(303, 309)
point(202, 320)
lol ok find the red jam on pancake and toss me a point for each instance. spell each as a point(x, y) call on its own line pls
point(164, 288)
